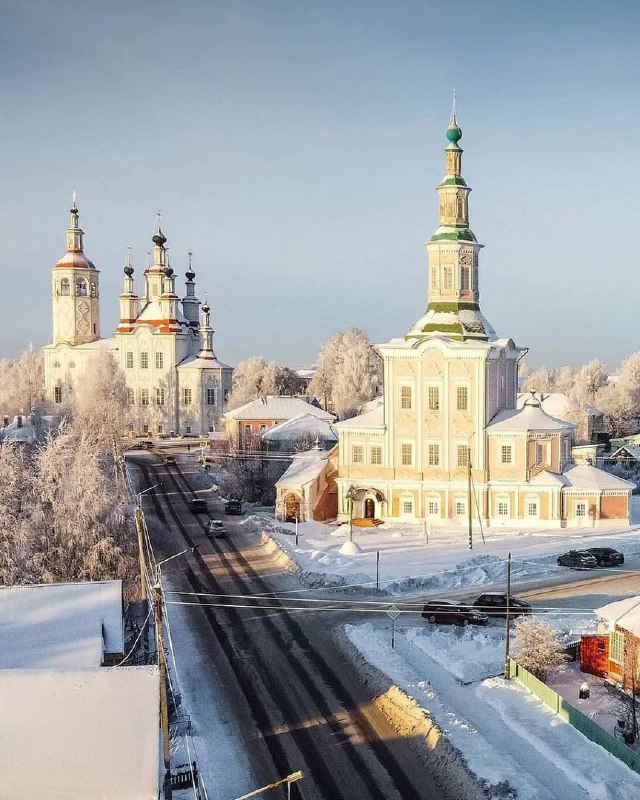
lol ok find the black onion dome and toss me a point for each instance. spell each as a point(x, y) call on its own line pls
point(168, 271)
point(128, 270)
point(205, 307)
point(190, 274)
point(159, 238)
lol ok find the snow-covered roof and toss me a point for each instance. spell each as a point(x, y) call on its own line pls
point(60, 624)
point(371, 405)
point(153, 312)
point(370, 419)
point(632, 451)
point(624, 613)
point(304, 425)
point(110, 343)
point(203, 363)
point(584, 476)
point(556, 404)
point(546, 478)
point(529, 418)
point(276, 407)
point(305, 468)
point(25, 432)
point(85, 734)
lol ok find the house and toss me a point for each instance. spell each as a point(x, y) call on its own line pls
point(589, 421)
point(24, 428)
point(615, 651)
point(305, 429)
point(307, 490)
point(628, 455)
point(246, 424)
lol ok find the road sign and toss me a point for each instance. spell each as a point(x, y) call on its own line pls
point(204, 443)
point(393, 612)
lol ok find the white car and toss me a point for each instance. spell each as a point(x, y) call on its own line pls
point(217, 528)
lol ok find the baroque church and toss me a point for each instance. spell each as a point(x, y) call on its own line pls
point(448, 443)
point(163, 344)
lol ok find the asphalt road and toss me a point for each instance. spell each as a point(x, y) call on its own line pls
point(299, 701)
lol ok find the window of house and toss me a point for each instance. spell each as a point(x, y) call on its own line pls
point(542, 453)
point(188, 429)
point(461, 508)
point(145, 428)
point(406, 454)
point(462, 398)
point(581, 509)
point(406, 397)
point(144, 397)
point(616, 647)
point(144, 360)
point(57, 394)
point(464, 279)
point(506, 454)
point(532, 508)
point(433, 508)
point(159, 397)
point(160, 428)
point(433, 398)
point(503, 508)
point(159, 360)
point(186, 397)
point(433, 454)
point(376, 455)
point(447, 278)
point(128, 359)
point(211, 397)
point(407, 506)
point(131, 397)
point(463, 455)
point(357, 454)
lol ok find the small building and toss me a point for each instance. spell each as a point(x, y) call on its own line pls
point(246, 424)
point(588, 454)
point(307, 490)
point(588, 420)
point(615, 652)
point(627, 456)
point(300, 433)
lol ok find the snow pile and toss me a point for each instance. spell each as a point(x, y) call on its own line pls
point(469, 654)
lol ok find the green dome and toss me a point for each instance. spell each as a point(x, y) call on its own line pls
point(454, 133)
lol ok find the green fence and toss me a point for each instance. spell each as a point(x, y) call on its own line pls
point(576, 718)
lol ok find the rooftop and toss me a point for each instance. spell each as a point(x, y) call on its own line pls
point(272, 407)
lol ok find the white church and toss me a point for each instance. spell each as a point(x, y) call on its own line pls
point(163, 344)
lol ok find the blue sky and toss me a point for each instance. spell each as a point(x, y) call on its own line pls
point(295, 148)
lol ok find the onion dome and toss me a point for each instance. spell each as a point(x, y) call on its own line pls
point(168, 271)
point(190, 274)
point(128, 270)
point(205, 307)
point(159, 238)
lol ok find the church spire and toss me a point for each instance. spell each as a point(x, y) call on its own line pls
point(206, 333)
point(453, 308)
point(74, 233)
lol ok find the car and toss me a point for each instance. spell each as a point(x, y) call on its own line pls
point(577, 559)
point(169, 460)
point(495, 604)
point(233, 507)
point(145, 444)
point(216, 529)
point(606, 556)
point(198, 505)
point(448, 612)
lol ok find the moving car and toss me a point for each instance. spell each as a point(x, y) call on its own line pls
point(495, 604)
point(169, 460)
point(448, 612)
point(606, 556)
point(233, 507)
point(577, 559)
point(198, 505)
point(216, 529)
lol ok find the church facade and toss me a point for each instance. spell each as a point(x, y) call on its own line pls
point(448, 442)
point(163, 344)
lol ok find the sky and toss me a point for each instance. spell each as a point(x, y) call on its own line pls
point(295, 148)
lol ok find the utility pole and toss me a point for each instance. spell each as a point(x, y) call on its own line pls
point(507, 669)
point(469, 512)
point(143, 569)
point(164, 710)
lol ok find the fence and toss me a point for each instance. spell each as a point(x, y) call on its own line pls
point(574, 717)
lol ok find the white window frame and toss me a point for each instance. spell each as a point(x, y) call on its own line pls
point(359, 450)
point(466, 388)
point(159, 359)
point(504, 448)
point(533, 500)
point(57, 394)
point(160, 396)
point(434, 387)
point(433, 507)
point(437, 453)
point(407, 443)
point(585, 510)
point(145, 398)
point(460, 503)
point(211, 396)
point(406, 506)
point(144, 360)
point(377, 448)
point(503, 500)
point(447, 278)
point(467, 450)
point(128, 359)
point(408, 397)
point(616, 646)
point(187, 397)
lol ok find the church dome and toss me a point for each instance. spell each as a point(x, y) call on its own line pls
point(78, 260)
point(454, 133)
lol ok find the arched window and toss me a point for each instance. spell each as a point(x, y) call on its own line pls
point(460, 207)
point(81, 287)
point(64, 286)
point(93, 289)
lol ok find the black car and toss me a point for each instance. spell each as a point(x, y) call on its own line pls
point(145, 444)
point(169, 460)
point(198, 505)
point(495, 604)
point(233, 507)
point(447, 612)
point(606, 556)
point(577, 559)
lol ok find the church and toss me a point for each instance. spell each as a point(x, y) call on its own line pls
point(163, 344)
point(449, 442)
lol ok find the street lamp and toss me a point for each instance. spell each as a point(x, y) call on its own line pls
point(292, 778)
point(144, 491)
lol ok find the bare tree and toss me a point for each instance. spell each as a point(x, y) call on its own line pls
point(256, 377)
point(537, 646)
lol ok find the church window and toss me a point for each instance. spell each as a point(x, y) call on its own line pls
point(93, 289)
point(463, 455)
point(434, 278)
point(532, 508)
point(81, 288)
point(406, 454)
point(433, 507)
point(131, 397)
point(464, 279)
point(144, 360)
point(542, 453)
point(460, 207)
point(407, 507)
point(433, 398)
point(460, 507)
point(128, 359)
point(462, 398)
point(503, 508)
point(65, 289)
point(159, 360)
point(376, 455)
point(211, 397)
point(57, 394)
point(212, 427)
point(159, 397)
point(145, 428)
point(144, 397)
point(406, 397)
point(160, 428)
point(447, 278)
point(433, 454)
point(188, 429)
point(186, 397)
point(581, 509)
point(56, 365)
point(506, 454)
point(357, 454)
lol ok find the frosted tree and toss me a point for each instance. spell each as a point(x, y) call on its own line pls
point(590, 379)
point(16, 489)
point(537, 646)
point(563, 380)
point(540, 380)
point(630, 377)
point(617, 404)
point(256, 377)
point(348, 374)
point(21, 383)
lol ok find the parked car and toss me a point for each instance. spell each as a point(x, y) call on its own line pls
point(217, 529)
point(145, 444)
point(577, 559)
point(198, 505)
point(448, 612)
point(233, 507)
point(169, 460)
point(606, 556)
point(495, 604)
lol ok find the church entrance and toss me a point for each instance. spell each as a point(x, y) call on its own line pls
point(291, 508)
point(369, 508)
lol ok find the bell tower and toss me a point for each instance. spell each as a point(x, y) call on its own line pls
point(75, 291)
